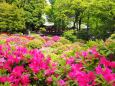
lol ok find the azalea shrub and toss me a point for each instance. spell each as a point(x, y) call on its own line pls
point(54, 63)
point(64, 41)
point(106, 48)
point(110, 43)
point(33, 44)
point(15, 39)
point(70, 35)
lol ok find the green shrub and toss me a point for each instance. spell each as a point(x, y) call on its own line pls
point(62, 48)
point(12, 18)
point(47, 50)
point(82, 35)
point(96, 43)
point(35, 35)
point(105, 48)
point(28, 56)
point(81, 40)
point(38, 37)
point(70, 35)
point(108, 49)
point(2, 41)
point(53, 56)
point(110, 44)
point(64, 41)
point(77, 46)
point(42, 30)
point(56, 44)
point(12, 43)
point(69, 53)
point(35, 44)
point(101, 47)
point(112, 36)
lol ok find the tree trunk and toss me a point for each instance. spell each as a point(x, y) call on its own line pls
point(28, 29)
point(88, 27)
point(77, 25)
point(80, 20)
point(76, 21)
point(74, 25)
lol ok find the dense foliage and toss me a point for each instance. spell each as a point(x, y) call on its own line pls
point(16, 15)
point(91, 18)
point(98, 16)
point(11, 17)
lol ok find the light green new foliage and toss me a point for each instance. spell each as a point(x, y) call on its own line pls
point(53, 56)
point(20, 14)
point(101, 15)
point(97, 16)
point(60, 13)
point(2, 41)
point(11, 18)
point(70, 35)
point(96, 43)
point(34, 10)
point(112, 36)
point(110, 43)
point(57, 44)
point(64, 41)
point(35, 44)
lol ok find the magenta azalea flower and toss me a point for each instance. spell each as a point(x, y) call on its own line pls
point(105, 62)
point(84, 53)
point(49, 43)
point(49, 72)
point(112, 64)
point(55, 38)
point(3, 79)
point(18, 70)
point(94, 52)
point(70, 60)
point(2, 60)
point(25, 80)
point(49, 80)
point(98, 69)
point(62, 82)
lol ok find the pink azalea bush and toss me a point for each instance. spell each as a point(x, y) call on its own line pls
point(17, 40)
point(50, 41)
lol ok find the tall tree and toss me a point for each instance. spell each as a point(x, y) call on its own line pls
point(11, 18)
point(101, 17)
point(60, 13)
point(33, 12)
point(79, 6)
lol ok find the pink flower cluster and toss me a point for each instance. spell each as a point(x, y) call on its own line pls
point(55, 38)
point(17, 40)
point(50, 41)
point(19, 69)
point(85, 77)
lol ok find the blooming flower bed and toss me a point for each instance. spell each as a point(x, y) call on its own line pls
point(25, 67)
point(20, 66)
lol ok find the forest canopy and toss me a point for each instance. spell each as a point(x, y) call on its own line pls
point(98, 16)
